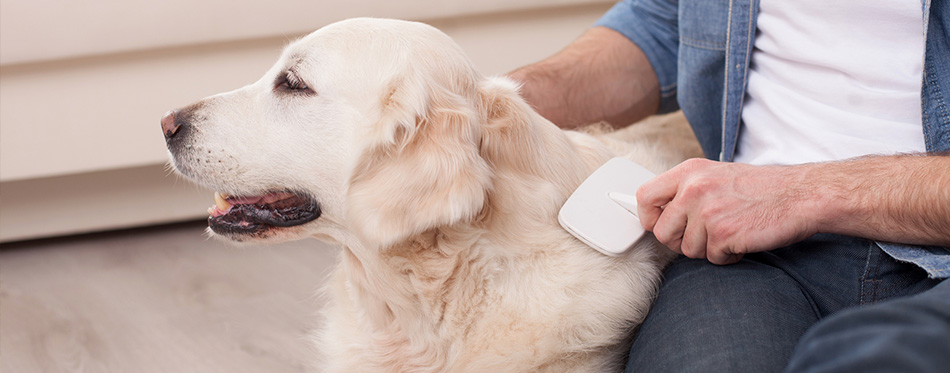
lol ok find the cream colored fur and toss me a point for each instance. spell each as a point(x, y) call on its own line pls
point(443, 188)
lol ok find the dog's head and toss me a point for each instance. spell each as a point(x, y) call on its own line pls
point(366, 126)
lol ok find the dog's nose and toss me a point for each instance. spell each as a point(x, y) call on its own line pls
point(170, 124)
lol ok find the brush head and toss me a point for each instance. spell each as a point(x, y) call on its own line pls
point(602, 210)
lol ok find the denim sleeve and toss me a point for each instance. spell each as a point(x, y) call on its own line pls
point(653, 26)
point(933, 259)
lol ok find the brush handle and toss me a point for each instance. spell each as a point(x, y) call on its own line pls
point(627, 201)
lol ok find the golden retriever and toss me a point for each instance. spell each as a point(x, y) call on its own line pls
point(443, 188)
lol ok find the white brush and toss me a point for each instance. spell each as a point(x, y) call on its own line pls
point(602, 212)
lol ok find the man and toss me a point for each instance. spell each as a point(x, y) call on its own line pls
point(830, 199)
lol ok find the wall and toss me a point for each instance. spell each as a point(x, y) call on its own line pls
point(84, 84)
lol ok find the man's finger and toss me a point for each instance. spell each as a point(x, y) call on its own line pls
point(670, 226)
point(694, 239)
point(721, 257)
point(653, 195)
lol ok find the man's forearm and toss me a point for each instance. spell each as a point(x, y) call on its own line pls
point(900, 199)
point(722, 211)
point(601, 76)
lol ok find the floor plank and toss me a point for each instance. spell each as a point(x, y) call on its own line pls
point(162, 299)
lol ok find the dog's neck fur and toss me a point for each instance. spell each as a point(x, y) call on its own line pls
point(535, 166)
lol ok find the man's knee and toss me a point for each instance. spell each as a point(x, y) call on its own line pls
point(906, 334)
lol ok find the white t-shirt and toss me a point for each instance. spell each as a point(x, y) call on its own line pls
point(831, 80)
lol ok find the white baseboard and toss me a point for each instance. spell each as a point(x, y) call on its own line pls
point(97, 201)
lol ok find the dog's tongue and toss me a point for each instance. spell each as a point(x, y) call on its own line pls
point(224, 202)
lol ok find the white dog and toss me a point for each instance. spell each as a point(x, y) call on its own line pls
point(442, 187)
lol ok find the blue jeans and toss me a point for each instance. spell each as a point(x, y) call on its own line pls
point(749, 316)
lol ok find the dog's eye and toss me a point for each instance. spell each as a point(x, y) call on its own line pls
point(290, 83)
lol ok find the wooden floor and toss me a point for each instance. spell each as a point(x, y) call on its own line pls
point(163, 299)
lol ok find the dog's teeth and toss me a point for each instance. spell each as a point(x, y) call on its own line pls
point(210, 210)
point(220, 200)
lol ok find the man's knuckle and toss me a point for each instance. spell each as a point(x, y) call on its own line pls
point(685, 247)
point(676, 245)
point(643, 194)
point(693, 188)
point(666, 238)
point(693, 163)
point(716, 241)
point(717, 231)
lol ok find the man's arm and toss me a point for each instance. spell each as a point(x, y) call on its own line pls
point(601, 76)
point(721, 211)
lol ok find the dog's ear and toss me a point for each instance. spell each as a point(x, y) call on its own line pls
point(517, 140)
point(422, 169)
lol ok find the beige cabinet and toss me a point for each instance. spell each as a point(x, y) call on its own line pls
point(84, 84)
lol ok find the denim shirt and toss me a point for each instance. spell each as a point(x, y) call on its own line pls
point(701, 50)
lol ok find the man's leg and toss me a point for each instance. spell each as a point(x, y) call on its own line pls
point(748, 317)
point(910, 334)
point(744, 317)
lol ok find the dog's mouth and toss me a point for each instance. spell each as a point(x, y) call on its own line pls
point(248, 215)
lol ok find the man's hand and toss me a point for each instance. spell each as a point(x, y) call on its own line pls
point(721, 211)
